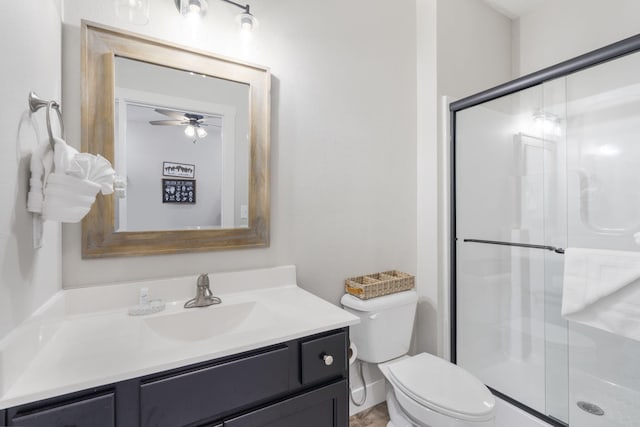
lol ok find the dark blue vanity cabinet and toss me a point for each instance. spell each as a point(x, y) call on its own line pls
point(324, 406)
point(94, 410)
point(297, 383)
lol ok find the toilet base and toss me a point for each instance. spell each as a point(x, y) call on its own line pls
point(396, 415)
point(400, 418)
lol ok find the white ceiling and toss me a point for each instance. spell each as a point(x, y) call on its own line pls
point(515, 8)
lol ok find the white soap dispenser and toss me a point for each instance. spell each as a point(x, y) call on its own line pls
point(146, 306)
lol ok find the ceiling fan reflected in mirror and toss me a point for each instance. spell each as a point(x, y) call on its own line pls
point(193, 122)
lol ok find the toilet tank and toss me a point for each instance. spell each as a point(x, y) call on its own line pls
point(385, 327)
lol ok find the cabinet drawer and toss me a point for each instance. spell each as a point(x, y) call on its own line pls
point(97, 411)
point(323, 407)
point(323, 358)
point(216, 390)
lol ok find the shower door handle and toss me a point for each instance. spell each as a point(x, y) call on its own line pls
point(519, 245)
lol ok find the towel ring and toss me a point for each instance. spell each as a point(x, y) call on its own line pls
point(36, 103)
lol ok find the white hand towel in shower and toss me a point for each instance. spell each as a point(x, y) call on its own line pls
point(601, 288)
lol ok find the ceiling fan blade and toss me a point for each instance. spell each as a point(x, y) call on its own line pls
point(171, 113)
point(168, 122)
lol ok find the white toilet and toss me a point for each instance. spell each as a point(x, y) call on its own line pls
point(422, 390)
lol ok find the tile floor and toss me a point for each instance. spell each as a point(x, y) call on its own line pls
point(376, 416)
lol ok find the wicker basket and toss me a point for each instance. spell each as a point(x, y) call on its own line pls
point(379, 284)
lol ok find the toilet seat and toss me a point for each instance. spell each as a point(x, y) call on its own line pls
point(440, 386)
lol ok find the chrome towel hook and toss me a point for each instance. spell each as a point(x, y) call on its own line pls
point(36, 103)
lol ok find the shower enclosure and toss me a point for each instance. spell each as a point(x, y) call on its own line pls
point(546, 162)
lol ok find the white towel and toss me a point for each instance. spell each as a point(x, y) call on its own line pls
point(601, 288)
point(94, 168)
point(71, 189)
point(40, 165)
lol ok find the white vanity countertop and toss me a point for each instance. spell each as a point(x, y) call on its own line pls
point(84, 338)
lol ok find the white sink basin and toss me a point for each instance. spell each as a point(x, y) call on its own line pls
point(202, 323)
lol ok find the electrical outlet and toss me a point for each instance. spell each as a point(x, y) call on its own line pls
point(244, 212)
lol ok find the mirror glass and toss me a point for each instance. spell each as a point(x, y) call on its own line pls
point(181, 147)
point(188, 133)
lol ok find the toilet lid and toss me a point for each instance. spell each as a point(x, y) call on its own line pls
point(443, 387)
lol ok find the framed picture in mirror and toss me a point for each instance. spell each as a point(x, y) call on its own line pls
point(180, 170)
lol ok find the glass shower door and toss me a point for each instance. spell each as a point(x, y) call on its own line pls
point(509, 164)
point(555, 165)
point(603, 161)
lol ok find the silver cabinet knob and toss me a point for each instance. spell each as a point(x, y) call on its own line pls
point(328, 359)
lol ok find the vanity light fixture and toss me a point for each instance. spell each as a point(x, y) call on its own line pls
point(134, 11)
point(245, 20)
point(190, 8)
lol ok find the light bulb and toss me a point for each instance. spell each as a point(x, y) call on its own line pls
point(247, 21)
point(190, 8)
point(134, 11)
point(190, 131)
point(201, 132)
point(547, 124)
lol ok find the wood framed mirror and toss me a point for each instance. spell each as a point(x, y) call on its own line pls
point(169, 117)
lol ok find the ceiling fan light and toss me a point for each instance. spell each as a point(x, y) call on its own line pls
point(190, 131)
point(201, 132)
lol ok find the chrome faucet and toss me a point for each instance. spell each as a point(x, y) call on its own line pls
point(204, 297)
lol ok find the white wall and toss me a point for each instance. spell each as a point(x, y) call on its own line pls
point(560, 30)
point(343, 136)
point(472, 44)
point(426, 330)
point(474, 47)
point(148, 147)
point(30, 34)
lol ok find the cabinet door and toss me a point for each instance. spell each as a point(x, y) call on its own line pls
point(97, 411)
point(323, 407)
